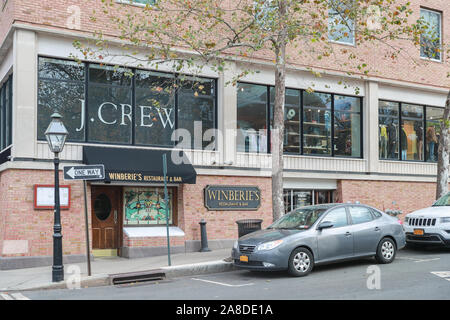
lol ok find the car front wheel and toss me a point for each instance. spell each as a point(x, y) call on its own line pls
point(386, 251)
point(301, 262)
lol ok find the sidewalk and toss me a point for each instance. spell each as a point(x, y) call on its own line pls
point(183, 264)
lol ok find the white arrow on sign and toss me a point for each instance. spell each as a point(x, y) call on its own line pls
point(71, 173)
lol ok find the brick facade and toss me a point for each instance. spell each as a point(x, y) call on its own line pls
point(408, 196)
point(21, 222)
point(57, 15)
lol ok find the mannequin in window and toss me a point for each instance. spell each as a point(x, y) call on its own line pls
point(431, 142)
point(404, 143)
point(383, 141)
point(392, 139)
point(419, 132)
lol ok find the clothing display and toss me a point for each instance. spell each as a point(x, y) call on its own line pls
point(431, 142)
point(404, 143)
point(383, 141)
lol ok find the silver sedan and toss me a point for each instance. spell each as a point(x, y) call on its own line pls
point(320, 234)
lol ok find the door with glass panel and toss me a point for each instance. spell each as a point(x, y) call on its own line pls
point(106, 215)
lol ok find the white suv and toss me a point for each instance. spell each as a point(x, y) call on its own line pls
point(429, 226)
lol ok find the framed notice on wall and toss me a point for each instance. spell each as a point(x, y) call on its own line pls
point(44, 196)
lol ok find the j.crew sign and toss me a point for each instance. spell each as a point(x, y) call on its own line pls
point(232, 197)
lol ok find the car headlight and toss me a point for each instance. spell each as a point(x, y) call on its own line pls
point(270, 245)
point(235, 246)
point(445, 220)
point(406, 219)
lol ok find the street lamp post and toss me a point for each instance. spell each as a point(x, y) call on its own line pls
point(56, 135)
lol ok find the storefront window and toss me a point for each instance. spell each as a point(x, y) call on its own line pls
point(316, 123)
point(61, 89)
point(347, 126)
point(155, 103)
point(146, 206)
point(294, 198)
point(418, 136)
point(252, 118)
point(196, 106)
point(388, 113)
point(292, 115)
point(432, 133)
point(124, 105)
point(109, 105)
point(411, 133)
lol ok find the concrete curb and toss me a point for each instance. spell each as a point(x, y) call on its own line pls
point(106, 279)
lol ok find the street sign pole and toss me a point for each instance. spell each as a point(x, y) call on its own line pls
point(88, 254)
point(89, 172)
point(167, 205)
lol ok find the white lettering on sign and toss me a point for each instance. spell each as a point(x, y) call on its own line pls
point(126, 110)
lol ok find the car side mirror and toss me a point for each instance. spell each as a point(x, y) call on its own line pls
point(325, 225)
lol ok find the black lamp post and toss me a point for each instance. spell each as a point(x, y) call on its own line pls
point(56, 135)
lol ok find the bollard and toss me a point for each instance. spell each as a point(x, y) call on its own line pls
point(203, 236)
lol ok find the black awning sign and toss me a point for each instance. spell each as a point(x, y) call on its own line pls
point(232, 197)
point(139, 165)
point(90, 172)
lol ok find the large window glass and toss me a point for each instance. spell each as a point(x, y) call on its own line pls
point(430, 39)
point(292, 117)
point(418, 136)
point(316, 123)
point(411, 133)
point(432, 133)
point(340, 23)
point(388, 115)
point(61, 89)
point(252, 118)
point(109, 105)
point(146, 206)
point(296, 198)
point(123, 106)
point(155, 108)
point(6, 114)
point(347, 126)
point(196, 107)
point(360, 215)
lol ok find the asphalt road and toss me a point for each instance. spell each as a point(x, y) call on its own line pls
point(415, 274)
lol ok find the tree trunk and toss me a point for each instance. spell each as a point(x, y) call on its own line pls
point(443, 152)
point(278, 120)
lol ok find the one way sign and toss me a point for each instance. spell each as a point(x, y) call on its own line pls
point(90, 172)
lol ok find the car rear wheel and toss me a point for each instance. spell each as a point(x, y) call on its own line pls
point(301, 262)
point(386, 251)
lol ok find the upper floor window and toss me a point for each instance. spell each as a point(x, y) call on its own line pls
point(430, 39)
point(315, 123)
point(341, 25)
point(408, 131)
point(105, 104)
point(6, 114)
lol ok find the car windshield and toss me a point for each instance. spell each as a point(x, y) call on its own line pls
point(443, 201)
point(302, 218)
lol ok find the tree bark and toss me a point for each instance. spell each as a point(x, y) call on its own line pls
point(443, 152)
point(277, 141)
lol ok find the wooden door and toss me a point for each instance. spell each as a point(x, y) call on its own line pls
point(106, 217)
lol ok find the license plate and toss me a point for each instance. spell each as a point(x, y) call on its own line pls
point(243, 258)
point(418, 232)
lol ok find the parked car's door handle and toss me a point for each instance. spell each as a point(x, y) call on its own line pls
point(377, 229)
point(347, 234)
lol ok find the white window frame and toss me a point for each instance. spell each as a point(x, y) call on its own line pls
point(132, 3)
point(440, 35)
point(353, 32)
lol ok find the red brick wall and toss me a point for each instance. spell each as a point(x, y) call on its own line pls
point(222, 224)
point(20, 221)
point(408, 196)
point(152, 242)
point(55, 14)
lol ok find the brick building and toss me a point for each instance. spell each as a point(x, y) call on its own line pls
point(371, 147)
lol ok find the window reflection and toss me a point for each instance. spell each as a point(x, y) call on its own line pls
point(411, 133)
point(252, 118)
point(433, 131)
point(316, 123)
